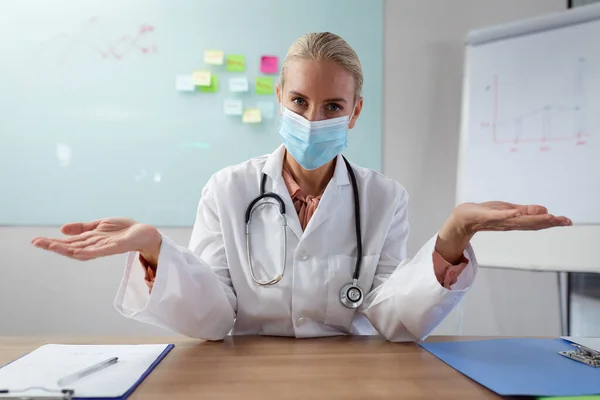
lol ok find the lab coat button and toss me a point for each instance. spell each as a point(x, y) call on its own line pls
point(303, 256)
point(300, 320)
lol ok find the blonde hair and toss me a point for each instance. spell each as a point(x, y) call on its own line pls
point(326, 46)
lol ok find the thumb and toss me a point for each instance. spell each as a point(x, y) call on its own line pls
point(77, 228)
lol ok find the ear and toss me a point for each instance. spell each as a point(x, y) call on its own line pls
point(357, 110)
point(279, 90)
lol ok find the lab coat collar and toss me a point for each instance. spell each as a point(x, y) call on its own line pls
point(274, 166)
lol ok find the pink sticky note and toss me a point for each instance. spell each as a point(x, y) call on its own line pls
point(268, 64)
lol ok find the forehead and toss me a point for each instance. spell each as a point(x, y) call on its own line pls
point(318, 79)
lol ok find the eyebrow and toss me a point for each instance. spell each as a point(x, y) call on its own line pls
point(339, 99)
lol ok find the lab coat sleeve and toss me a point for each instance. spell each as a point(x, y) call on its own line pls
point(192, 293)
point(406, 301)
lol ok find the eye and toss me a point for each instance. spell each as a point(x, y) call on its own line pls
point(299, 101)
point(333, 107)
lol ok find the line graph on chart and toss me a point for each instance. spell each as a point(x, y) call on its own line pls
point(98, 37)
point(543, 125)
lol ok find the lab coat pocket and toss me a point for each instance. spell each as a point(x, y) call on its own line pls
point(340, 272)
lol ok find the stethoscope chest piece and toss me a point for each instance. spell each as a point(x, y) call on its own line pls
point(351, 295)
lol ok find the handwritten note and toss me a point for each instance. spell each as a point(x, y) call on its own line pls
point(238, 84)
point(214, 57)
point(267, 109)
point(201, 78)
point(233, 107)
point(265, 85)
point(269, 64)
point(236, 63)
point(213, 87)
point(251, 116)
point(184, 83)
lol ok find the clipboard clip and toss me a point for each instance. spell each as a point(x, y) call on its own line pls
point(583, 355)
point(21, 394)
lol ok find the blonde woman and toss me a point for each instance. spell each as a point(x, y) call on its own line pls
point(300, 242)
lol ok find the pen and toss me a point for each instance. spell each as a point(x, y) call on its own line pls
point(87, 371)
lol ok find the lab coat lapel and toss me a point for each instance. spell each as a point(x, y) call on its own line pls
point(330, 201)
point(273, 169)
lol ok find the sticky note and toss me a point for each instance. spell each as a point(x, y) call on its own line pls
point(267, 109)
point(238, 84)
point(251, 116)
point(236, 63)
point(213, 87)
point(184, 83)
point(214, 57)
point(269, 65)
point(264, 85)
point(233, 107)
point(201, 78)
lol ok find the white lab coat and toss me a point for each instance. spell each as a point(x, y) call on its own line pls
point(206, 291)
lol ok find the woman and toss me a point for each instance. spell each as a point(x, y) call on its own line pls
point(340, 218)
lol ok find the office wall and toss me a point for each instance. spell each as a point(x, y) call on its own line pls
point(41, 293)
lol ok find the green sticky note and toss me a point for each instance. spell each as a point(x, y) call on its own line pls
point(213, 87)
point(265, 85)
point(236, 63)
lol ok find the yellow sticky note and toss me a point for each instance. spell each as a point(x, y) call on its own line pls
point(214, 57)
point(265, 85)
point(201, 78)
point(251, 116)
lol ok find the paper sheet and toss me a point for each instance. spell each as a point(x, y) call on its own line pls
point(47, 364)
point(238, 84)
point(233, 107)
point(267, 109)
point(589, 342)
point(184, 83)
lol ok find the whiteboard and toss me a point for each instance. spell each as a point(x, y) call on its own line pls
point(531, 128)
point(536, 80)
point(91, 124)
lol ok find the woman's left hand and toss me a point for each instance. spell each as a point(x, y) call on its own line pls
point(470, 218)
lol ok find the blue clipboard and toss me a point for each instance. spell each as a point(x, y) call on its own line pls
point(520, 367)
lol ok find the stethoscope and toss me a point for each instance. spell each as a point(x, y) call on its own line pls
point(351, 295)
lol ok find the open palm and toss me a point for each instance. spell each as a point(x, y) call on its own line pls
point(503, 216)
point(105, 237)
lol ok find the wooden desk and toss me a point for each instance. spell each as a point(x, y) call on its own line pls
point(248, 368)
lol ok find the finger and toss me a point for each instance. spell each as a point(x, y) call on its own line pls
point(43, 242)
point(88, 253)
point(534, 209)
point(499, 215)
point(528, 223)
point(77, 228)
point(60, 248)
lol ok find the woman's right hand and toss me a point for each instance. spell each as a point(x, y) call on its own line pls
point(104, 237)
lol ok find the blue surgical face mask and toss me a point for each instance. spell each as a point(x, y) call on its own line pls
point(313, 143)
